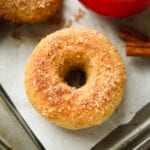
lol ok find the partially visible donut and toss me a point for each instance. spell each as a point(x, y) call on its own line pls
point(28, 11)
point(49, 67)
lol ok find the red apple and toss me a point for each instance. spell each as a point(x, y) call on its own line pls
point(116, 8)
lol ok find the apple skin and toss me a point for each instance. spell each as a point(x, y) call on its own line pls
point(116, 8)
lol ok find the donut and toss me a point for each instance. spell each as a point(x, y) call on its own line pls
point(95, 67)
point(28, 11)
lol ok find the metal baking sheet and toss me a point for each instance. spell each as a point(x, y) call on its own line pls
point(135, 135)
point(18, 42)
point(14, 132)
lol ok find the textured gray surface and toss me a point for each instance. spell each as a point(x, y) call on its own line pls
point(14, 55)
point(14, 134)
point(135, 135)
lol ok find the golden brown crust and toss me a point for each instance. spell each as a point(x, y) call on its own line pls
point(67, 106)
point(28, 11)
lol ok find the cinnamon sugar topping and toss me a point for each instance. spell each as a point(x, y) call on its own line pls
point(67, 106)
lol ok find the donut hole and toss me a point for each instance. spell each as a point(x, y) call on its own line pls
point(75, 77)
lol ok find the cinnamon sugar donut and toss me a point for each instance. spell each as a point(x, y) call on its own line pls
point(62, 54)
point(27, 11)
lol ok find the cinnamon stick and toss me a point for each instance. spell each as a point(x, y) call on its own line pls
point(140, 44)
point(140, 48)
point(137, 44)
point(137, 51)
point(129, 34)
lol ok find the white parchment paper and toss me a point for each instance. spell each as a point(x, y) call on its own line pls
point(14, 55)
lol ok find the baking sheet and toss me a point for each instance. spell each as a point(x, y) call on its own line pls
point(14, 132)
point(16, 45)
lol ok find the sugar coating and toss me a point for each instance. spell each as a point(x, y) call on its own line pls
point(62, 104)
point(28, 11)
